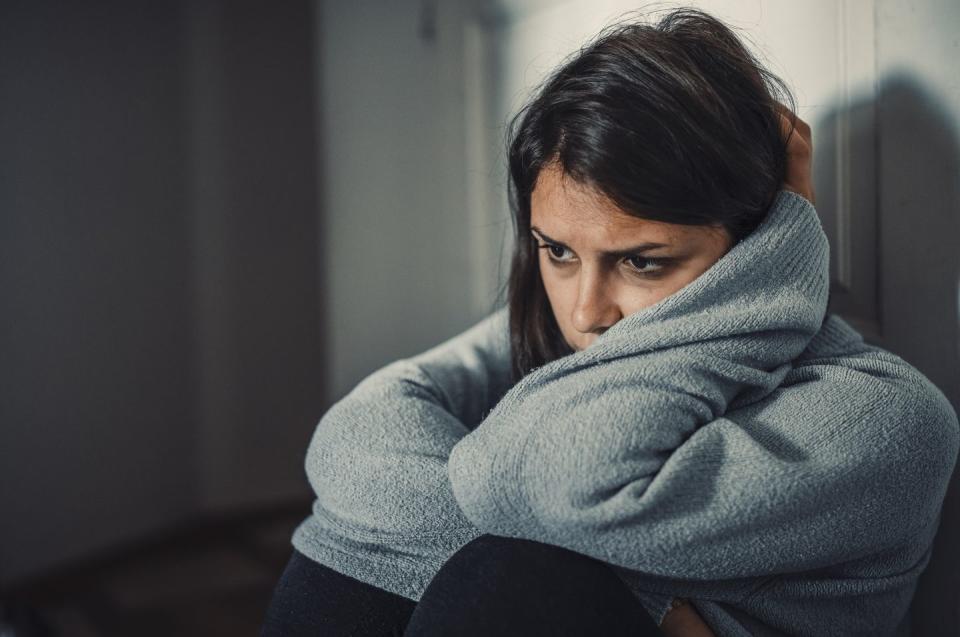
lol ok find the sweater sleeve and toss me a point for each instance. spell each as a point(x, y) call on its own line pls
point(651, 472)
point(377, 458)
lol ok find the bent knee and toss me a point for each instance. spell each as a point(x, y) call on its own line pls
point(491, 546)
point(508, 553)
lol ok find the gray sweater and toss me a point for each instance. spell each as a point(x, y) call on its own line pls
point(733, 444)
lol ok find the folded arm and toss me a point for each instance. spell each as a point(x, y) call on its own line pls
point(377, 458)
point(642, 465)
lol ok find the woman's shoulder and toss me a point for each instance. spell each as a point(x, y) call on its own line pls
point(839, 361)
point(839, 345)
point(851, 405)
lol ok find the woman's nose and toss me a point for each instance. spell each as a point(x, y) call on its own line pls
point(596, 311)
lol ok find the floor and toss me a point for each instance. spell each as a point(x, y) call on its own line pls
point(213, 577)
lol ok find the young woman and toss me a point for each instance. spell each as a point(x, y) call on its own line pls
point(663, 431)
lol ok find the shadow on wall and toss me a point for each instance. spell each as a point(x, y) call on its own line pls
point(913, 198)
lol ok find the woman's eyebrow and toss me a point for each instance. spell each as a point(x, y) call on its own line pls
point(625, 252)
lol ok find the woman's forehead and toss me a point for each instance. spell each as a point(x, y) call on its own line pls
point(560, 205)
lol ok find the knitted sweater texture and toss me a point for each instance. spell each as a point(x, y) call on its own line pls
point(734, 444)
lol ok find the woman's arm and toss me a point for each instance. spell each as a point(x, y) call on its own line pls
point(470, 372)
point(848, 457)
point(683, 620)
point(377, 458)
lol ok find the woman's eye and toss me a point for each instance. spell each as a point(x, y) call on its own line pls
point(549, 247)
point(650, 266)
point(646, 267)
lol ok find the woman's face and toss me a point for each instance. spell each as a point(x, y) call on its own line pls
point(596, 270)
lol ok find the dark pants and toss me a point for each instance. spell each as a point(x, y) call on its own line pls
point(492, 585)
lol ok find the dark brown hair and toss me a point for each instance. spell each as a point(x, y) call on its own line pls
point(674, 121)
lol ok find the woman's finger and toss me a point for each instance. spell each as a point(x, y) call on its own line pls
point(799, 150)
point(790, 123)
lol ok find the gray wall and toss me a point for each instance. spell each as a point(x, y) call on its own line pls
point(96, 389)
point(397, 263)
point(918, 190)
point(160, 350)
point(251, 113)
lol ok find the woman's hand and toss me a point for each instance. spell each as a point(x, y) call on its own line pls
point(799, 177)
point(685, 621)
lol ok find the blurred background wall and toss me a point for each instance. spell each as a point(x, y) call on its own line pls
point(217, 217)
point(161, 323)
point(179, 307)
